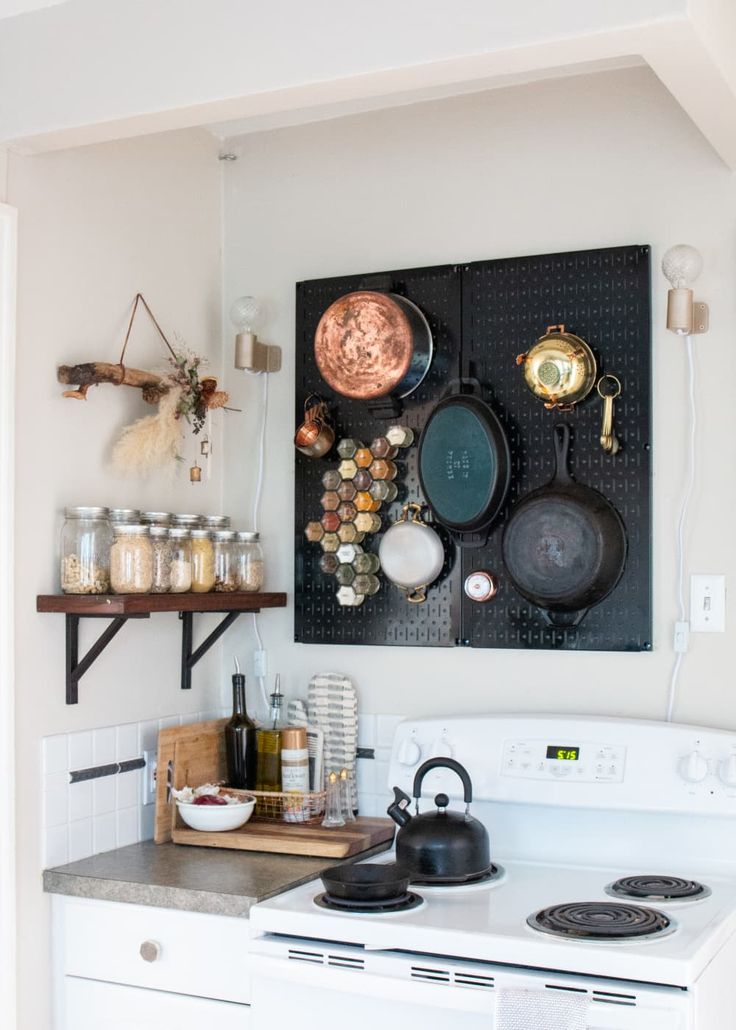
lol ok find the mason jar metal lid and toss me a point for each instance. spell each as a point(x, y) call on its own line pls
point(187, 520)
point(224, 535)
point(200, 534)
point(180, 533)
point(125, 515)
point(160, 518)
point(159, 531)
point(86, 513)
point(216, 521)
point(131, 529)
point(248, 537)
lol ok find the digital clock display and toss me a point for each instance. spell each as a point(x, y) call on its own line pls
point(563, 754)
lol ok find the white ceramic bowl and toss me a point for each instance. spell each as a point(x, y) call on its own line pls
point(215, 818)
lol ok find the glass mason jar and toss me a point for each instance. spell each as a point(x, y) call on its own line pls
point(131, 559)
point(86, 537)
point(187, 521)
point(155, 518)
point(124, 516)
point(180, 543)
point(226, 565)
point(161, 551)
point(214, 522)
point(203, 561)
point(250, 562)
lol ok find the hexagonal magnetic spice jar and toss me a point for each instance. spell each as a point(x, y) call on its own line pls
point(346, 511)
point(381, 448)
point(314, 532)
point(363, 458)
point(347, 597)
point(382, 490)
point(331, 479)
point(346, 490)
point(367, 522)
point(383, 468)
point(364, 502)
point(400, 436)
point(366, 584)
point(347, 552)
point(330, 542)
point(347, 447)
point(349, 534)
point(347, 469)
point(362, 480)
point(366, 563)
point(330, 501)
point(329, 564)
point(345, 575)
point(331, 521)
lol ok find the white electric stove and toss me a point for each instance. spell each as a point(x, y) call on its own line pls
point(572, 805)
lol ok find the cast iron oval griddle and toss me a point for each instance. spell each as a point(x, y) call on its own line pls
point(564, 546)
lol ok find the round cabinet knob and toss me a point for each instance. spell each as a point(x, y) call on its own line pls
point(150, 951)
point(409, 751)
point(442, 748)
point(727, 771)
point(693, 767)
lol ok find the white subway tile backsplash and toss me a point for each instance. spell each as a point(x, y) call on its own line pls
point(103, 745)
point(56, 805)
point(80, 801)
point(104, 795)
point(166, 724)
point(127, 823)
point(366, 731)
point(80, 840)
point(55, 753)
point(129, 788)
point(147, 735)
point(127, 742)
point(104, 832)
point(80, 750)
point(56, 846)
point(146, 820)
point(385, 729)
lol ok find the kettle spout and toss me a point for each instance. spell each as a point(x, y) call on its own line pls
point(398, 809)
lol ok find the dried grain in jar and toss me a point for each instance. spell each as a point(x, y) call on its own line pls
point(161, 552)
point(180, 542)
point(85, 551)
point(131, 559)
point(226, 566)
point(250, 562)
point(203, 561)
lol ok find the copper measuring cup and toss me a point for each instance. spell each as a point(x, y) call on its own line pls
point(315, 436)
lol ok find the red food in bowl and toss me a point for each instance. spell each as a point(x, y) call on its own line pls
point(209, 799)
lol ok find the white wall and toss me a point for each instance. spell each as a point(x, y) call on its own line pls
point(568, 165)
point(96, 225)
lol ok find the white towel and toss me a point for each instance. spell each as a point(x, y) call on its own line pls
point(540, 1010)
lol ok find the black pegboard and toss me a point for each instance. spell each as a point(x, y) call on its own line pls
point(482, 315)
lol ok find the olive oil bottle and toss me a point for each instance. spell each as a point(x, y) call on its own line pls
point(240, 740)
point(268, 743)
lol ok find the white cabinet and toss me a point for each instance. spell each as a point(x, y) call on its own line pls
point(134, 967)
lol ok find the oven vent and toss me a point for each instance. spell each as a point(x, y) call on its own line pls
point(612, 998)
point(475, 980)
point(300, 955)
point(430, 974)
point(565, 987)
point(346, 962)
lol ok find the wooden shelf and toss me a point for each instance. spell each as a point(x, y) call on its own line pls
point(145, 604)
point(121, 607)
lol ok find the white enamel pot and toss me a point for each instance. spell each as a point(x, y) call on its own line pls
point(411, 554)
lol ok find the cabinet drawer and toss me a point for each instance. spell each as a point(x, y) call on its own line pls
point(187, 952)
point(92, 1005)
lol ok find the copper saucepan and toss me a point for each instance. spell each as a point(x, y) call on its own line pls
point(370, 344)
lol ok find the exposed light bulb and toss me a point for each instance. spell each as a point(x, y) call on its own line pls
point(681, 265)
point(246, 314)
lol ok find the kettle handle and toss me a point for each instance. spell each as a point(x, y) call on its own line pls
point(443, 763)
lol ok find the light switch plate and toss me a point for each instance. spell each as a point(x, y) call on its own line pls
point(707, 604)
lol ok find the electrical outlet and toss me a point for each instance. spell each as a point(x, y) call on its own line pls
point(260, 664)
point(707, 604)
point(149, 777)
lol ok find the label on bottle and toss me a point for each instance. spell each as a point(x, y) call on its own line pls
point(295, 769)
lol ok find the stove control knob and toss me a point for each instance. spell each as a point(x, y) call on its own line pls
point(727, 771)
point(693, 767)
point(442, 748)
point(409, 752)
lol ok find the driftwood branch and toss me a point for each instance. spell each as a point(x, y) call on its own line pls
point(91, 373)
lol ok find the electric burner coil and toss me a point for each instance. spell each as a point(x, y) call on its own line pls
point(601, 921)
point(658, 888)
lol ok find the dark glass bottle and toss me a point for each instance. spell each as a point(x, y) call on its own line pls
point(240, 741)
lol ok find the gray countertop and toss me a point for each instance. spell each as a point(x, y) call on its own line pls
point(193, 879)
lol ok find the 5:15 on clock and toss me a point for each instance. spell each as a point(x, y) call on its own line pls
point(563, 754)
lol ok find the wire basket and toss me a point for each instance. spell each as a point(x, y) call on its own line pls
point(292, 806)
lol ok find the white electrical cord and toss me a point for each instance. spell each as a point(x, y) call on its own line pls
point(681, 523)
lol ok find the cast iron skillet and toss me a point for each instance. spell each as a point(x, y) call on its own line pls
point(564, 546)
point(366, 882)
point(464, 465)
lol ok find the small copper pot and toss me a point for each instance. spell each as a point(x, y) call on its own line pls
point(315, 437)
point(560, 368)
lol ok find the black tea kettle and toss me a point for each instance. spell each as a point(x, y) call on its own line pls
point(443, 846)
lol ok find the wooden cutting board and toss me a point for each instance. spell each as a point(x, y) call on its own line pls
point(194, 755)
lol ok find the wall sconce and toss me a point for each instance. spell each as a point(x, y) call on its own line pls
point(246, 314)
point(682, 265)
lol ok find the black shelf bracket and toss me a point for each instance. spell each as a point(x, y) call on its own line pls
point(190, 657)
point(76, 667)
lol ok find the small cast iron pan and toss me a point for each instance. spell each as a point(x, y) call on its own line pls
point(464, 464)
point(366, 882)
point(564, 546)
